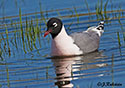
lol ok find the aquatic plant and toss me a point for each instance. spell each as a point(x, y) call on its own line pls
point(99, 13)
point(88, 10)
point(105, 10)
point(1, 57)
point(16, 2)
point(7, 38)
point(8, 81)
point(112, 69)
point(76, 13)
point(0, 86)
point(122, 29)
point(119, 41)
point(43, 19)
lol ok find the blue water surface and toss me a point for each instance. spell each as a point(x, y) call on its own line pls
point(28, 63)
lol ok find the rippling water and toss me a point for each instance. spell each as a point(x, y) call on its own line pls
point(28, 64)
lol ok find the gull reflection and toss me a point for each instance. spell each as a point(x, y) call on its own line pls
point(65, 66)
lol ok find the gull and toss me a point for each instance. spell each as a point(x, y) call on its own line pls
point(76, 43)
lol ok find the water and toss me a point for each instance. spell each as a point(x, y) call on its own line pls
point(25, 54)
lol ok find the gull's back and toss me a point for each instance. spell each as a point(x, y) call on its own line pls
point(88, 41)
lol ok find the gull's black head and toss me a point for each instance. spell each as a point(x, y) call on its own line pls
point(54, 26)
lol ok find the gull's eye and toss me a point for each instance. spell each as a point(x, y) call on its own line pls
point(55, 24)
point(99, 28)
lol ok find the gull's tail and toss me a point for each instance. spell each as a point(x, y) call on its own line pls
point(101, 26)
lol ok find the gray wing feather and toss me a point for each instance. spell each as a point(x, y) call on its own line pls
point(87, 42)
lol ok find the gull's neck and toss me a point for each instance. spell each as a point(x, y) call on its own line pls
point(62, 34)
point(63, 44)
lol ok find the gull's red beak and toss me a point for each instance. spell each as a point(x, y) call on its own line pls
point(47, 32)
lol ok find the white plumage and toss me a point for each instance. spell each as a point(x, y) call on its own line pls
point(76, 43)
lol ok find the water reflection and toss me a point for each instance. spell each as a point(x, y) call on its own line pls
point(66, 66)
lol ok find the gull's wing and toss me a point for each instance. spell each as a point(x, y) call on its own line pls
point(86, 41)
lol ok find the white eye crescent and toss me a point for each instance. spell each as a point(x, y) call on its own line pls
point(55, 24)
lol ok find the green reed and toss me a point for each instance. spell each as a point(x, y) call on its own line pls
point(16, 3)
point(91, 85)
point(7, 38)
point(105, 10)
point(76, 13)
point(70, 10)
point(0, 85)
point(15, 40)
point(11, 22)
point(12, 42)
point(26, 35)
point(1, 45)
point(38, 31)
point(29, 34)
point(42, 14)
point(22, 32)
point(101, 12)
point(1, 57)
point(4, 46)
point(112, 69)
point(59, 14)
point(8, 81)
point(70, 26)
point(122, 29)
point(88, 9)
point(32, 33)
point(118, 37)
point(47, 14)
point(1, 50)
point(47, 76)
point(119, 43)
